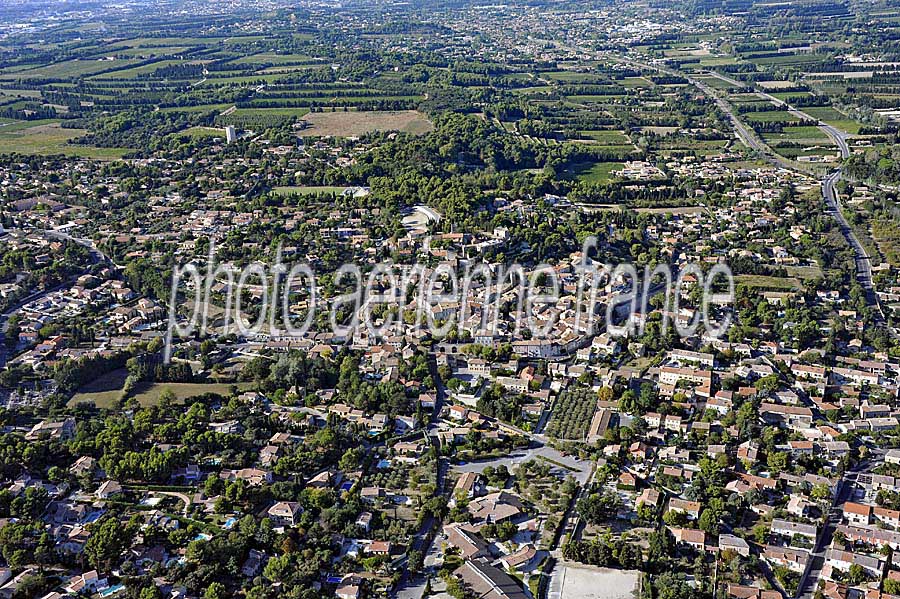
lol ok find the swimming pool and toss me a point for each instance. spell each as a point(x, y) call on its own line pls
point(109, 592)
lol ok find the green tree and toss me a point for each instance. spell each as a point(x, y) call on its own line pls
point(597, 508)
point(108, 541)
point(709, 521)
point(151, 592)
point(216, 590)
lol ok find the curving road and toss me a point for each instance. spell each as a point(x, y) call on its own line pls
point(810, 580)
point(96, 257)
point(829, 191)
point(96, 253)
point(747, 136)
point(837, 136)
point(20, 303)
point(833, 204)
point(863, 261)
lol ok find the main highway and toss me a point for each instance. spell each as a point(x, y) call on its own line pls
point(754, 142)
point(863, 261)
point(810, 579)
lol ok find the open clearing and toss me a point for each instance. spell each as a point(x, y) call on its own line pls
point(202, 132)
point(309, 189)
point(597, 172)
point(356, 123)
point(770, 283)
point(103, 391)
point(804, 272)
point(148, 394)
point(584, 582)
point(106, 391)
point(47, 137)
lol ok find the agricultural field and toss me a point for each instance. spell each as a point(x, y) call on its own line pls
point(717, 83)
point(106, 391)
point(834, 118)
point(768, 283)
point(572, 413)
point(198, 108)
point(138, 71)
point(148, 395)
point(357, 123)
point(718, 61)
point(309, 190)
point(270, 58)
point(635, 82)
point(69, 69)
point(260, 118)
point(598, 172)
point(772, 116)
point(202, 132)
point(608, 138)
point(788, 60)
point(801, 134)
point(804, 272)
point(162, 42)
point(48, 137)
point(886, 234)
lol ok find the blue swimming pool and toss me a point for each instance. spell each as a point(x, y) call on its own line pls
point(112, 590)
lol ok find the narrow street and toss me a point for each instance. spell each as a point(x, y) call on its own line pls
point(413, 586)
point(810, 580)
point(96, 257)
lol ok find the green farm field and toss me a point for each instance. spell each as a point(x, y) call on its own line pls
point(69, 69)
point(106, 391)
point(47, 137)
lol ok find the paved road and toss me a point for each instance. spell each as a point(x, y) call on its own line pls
point(413, 587)
point(829, 192)
point(746, 135)
point(809, 582)
point(863, 261)
point(579, 469)
point(4, 317)
point(557, 578)
point(96, 254)
point(833, 204)
point(96, 257)
point(838, 136)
